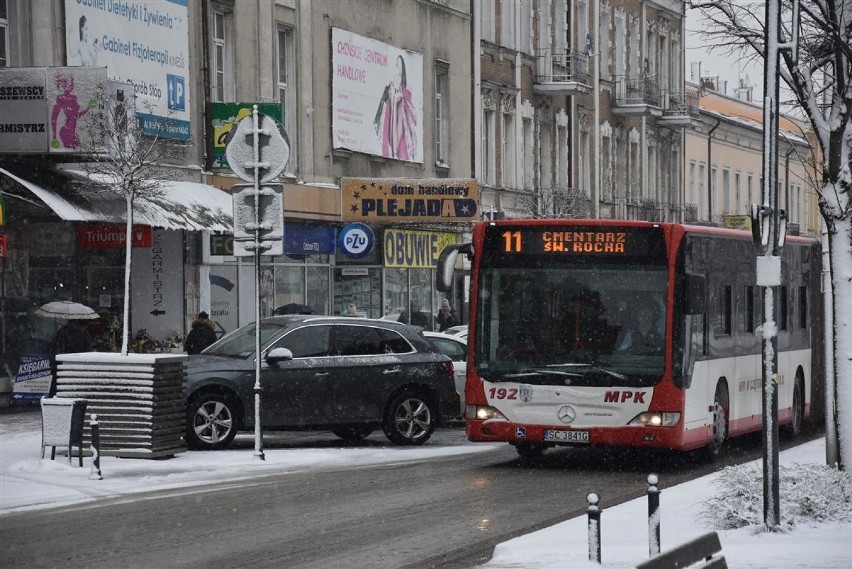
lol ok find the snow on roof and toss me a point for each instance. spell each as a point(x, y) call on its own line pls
point(184, 205)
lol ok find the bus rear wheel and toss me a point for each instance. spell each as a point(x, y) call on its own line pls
point(720, 424)
point(794, 428)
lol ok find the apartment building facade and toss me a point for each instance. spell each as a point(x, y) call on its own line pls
point(724, 160)
point(582, 108)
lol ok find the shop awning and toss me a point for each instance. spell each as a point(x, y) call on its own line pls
point(183, 205)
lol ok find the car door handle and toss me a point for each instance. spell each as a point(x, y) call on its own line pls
point(321, 374)
point(392, 370)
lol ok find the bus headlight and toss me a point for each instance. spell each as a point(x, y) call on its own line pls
point(664, 419)
point(482, 413)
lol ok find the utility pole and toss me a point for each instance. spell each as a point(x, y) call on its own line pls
point(769, 229)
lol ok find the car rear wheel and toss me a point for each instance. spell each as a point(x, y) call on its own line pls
point(211, 422)
point(353, 433)
point(409, 419)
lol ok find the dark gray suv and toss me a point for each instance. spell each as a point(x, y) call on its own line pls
point(347, 375)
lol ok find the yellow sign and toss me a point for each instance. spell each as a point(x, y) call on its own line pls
point(415, 249)
point(738, 222)
point(395, 200)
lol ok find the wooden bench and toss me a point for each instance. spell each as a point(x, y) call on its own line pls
point(704, 552)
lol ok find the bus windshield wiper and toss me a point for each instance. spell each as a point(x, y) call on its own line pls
point(590, 367)
point(541, 372)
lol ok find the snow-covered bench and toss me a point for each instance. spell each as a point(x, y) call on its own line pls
point(704, 552)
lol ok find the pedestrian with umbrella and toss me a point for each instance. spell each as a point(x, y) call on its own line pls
point(73, 337)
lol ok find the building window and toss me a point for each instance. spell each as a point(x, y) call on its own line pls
point(488, 158)
point(222, 75)
point(603, 35)
point(287, 89)
point(737, 197)
point(442, 101)
point(487, 20)
point(4, 34)
point(526, 26)
point(562, 165)
point(585, 174)
point(713, 193)
point(507, 152)
point(507, 24)
point(528, 154)
point(703, 211)
point(726, 191)
point(693, 186)
point(620, 55)
point(749, 189)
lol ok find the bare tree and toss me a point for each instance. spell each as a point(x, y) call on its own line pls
point(821, 82)
point(128, 161)
point(553, 203)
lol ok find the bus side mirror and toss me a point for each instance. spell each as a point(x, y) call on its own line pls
point(695, 294)
point(447, 265)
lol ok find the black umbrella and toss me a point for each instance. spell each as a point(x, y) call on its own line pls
point(293, 308)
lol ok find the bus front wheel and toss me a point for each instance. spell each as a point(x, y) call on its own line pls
point(530, 451)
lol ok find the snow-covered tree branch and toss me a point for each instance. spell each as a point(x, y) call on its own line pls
point(820, 78)
point(128, 161)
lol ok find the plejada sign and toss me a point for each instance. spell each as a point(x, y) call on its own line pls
point(396, 200)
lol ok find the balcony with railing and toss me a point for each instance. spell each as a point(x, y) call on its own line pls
point(562, 73)
point(639, 96)
point(680, 109)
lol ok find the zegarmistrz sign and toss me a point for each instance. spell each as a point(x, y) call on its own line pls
point(404, 199)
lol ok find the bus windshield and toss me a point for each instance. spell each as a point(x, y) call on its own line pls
point(590, 323)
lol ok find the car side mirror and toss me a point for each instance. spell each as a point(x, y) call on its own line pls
point(276, 355)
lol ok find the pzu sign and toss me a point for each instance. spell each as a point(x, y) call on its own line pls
point(356, 240)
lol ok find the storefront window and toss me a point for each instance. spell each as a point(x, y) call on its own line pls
point(408, 296)
point(360, 286)
point(224, 295)
point(317, 297)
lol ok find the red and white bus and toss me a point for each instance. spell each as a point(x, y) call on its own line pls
point(640, 334)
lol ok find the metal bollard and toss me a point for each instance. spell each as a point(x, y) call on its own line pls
point(594, 527)
point(653, 515)
point(95, 472)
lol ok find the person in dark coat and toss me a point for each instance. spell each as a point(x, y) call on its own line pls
point(72, 338)
point(202, 334)
point(446, 317)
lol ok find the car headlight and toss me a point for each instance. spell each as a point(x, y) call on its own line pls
point(663, 419)
point(482, 413)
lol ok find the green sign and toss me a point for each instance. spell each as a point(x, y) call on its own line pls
point(226, 115)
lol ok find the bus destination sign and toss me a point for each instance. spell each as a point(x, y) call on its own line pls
point(594, 241)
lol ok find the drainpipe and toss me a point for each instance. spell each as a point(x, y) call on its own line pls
point(476, 103)
point(205, 68)
point(596, 80)
point(710, 170)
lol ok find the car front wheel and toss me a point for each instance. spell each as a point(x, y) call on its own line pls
point(211, 422)
point(409, 419)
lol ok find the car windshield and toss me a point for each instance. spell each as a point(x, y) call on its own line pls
point(583, 325)
point(241, 342)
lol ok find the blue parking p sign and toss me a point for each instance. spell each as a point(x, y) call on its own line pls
point(176, 86)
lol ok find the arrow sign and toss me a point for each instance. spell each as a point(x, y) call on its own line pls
point(157, 312)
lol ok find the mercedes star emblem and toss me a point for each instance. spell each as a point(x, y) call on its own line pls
point(566, 414)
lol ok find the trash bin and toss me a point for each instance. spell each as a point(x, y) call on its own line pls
point(62, 422)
